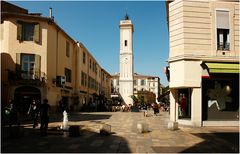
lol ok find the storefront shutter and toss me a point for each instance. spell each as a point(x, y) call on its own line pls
point(18, 64)
point(37, 33)
point(19, 31)
point(222, 19)
point(37, 70)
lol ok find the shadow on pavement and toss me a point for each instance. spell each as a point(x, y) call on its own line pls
point(80, 117)
point(60, 142)
point(223, 142)
point(219, 142)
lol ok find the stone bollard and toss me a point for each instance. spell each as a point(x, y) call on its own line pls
point(142, 127)
point(105, 129)
point(172, 125)
point(145, 114)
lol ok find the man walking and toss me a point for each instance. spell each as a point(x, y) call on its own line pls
point(44, 113)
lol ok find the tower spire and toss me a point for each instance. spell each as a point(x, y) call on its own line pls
point(127, 17)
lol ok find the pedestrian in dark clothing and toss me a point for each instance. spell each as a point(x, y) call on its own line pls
point(155, 108)
point(13, 116)
point(44, 113)
point(34, 111)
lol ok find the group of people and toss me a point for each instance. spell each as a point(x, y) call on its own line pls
point(35, 109)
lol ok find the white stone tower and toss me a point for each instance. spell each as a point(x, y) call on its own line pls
point(126, 60)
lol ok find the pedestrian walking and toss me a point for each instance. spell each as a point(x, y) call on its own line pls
point(13, 115)
point(155, 108)
point(44, 113)
point(34, 111)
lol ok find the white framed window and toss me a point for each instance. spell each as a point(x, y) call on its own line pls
point(222, 30)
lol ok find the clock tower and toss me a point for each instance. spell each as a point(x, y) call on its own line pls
point(126, 60)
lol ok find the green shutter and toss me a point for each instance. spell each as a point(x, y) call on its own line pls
point(37, 33)
point(37, 70)
point(18, 65)
point(19, 31)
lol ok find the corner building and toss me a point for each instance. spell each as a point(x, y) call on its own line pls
point(204, 62)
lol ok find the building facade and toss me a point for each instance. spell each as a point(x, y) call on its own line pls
point(147, 86)
point(40, 60)
point(204, 62)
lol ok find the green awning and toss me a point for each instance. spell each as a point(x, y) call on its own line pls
point(223, 67)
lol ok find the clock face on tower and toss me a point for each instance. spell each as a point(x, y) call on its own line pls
point(125, 60)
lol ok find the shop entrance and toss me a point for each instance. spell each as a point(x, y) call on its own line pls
point(24, 95)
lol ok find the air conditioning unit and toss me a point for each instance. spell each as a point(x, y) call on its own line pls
point(61, 81)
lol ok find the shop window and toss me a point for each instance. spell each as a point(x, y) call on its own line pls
point(223, 41)
point(184, 103)
point(221, 98)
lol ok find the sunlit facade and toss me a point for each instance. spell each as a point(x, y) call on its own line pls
point(204, 62)
point(40, 60)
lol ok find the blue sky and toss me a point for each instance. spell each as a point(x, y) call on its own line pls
point(96, 25)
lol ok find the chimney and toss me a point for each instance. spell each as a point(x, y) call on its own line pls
point(50, 13)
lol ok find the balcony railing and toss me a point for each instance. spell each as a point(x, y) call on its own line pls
point(223, 47)
point(35, 76)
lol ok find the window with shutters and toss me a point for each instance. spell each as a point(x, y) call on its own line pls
point(68, 74)
point(82, 79)
point(67, 49)
point(28, 66)
point(135, 82)
point(28, 31)
point(84, 57)
point(223, 38)
point(90, 63)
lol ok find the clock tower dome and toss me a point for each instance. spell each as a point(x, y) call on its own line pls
point(126, 60)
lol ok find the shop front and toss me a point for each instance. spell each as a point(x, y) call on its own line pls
point(205, 94)
point(220, 94)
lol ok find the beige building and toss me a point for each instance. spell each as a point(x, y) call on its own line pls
point(204, 62)
point(142, 85)
point(40, 60)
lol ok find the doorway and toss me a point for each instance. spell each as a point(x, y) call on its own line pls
point(24, 96)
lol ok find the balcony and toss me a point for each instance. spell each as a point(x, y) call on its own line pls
point(223, 47)
point(27, 77)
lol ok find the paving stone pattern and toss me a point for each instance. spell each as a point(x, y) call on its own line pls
point(124, 137)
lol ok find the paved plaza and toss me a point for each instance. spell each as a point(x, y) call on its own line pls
point(124, 136)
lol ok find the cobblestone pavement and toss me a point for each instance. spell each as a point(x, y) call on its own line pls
point(124, 136)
